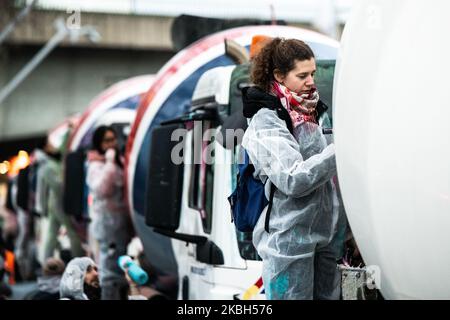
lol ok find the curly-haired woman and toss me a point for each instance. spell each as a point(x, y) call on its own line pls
point(300, 249)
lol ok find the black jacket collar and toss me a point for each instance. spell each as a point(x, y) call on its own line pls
point(254, 99)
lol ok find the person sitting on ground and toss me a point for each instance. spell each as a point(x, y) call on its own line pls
point(80, 281)
point(5, 291)
point(49, 282)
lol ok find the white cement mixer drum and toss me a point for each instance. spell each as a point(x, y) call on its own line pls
point(391, 117)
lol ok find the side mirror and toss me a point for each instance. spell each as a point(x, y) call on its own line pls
point(207, 251)
point(74, 193)
point(164, 181)
point(23, 187)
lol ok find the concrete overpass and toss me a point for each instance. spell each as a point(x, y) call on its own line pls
point(75, 72)
point(65, 82)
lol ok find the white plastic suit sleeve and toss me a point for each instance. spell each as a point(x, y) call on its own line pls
point(52, 175)
point(41, 192)
point(102, 178)
point(273, 150)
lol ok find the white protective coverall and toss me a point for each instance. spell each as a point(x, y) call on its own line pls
point(300, 251)
point(111, 222)
point(72, 281)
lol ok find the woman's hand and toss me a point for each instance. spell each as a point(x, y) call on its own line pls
point(110, 155)
point(134, 290)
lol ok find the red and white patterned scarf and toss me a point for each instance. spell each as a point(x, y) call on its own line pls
point(301, 108)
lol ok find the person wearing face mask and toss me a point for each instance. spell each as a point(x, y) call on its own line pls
point(286, 145)
point(111, 223)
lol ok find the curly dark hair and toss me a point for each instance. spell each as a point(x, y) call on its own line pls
point(279, 54)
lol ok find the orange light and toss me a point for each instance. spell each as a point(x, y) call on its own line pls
point(4, 167)
point(19, 162)
point(23, 159)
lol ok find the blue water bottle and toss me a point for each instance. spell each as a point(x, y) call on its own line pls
point(136, 273)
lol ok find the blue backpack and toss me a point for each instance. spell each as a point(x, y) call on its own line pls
point(248, 200)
